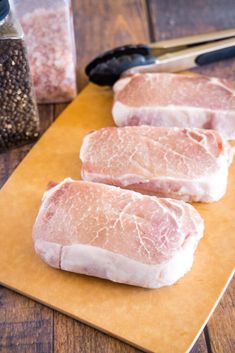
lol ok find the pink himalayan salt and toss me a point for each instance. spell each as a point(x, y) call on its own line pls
point(51, 54)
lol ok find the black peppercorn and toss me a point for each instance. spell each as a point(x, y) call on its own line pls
point(19, 121)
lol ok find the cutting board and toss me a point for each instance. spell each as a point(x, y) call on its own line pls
point(166, 320)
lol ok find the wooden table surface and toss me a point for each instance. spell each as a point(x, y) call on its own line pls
point(26, 326)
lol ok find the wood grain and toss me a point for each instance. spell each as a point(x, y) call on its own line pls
point(221, 327)
point(26, 326)
point(171, 19)
point(71, 336)
point(102, 25)
point(200, 346)
point(10, 159)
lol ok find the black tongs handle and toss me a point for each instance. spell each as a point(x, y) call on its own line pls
point(216, 55)
point(188, 58)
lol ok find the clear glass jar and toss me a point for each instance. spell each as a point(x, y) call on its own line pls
point(19, 122)
point(49, 34)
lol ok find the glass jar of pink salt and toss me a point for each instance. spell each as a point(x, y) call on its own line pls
point(49, 35)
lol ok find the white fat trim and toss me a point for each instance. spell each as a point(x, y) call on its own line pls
point(50, 252)
point(102, 178)
point(122, 113)
point(206, 189)
point(94, 261)
point(172, 107)
point(84, 146)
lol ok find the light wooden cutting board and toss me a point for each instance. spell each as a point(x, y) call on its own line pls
point(166, 320)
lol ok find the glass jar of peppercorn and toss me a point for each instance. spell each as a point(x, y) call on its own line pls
point(19, 122)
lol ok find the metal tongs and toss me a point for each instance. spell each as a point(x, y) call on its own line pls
point(165, 56)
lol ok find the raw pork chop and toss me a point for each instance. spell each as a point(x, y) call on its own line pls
point(164, 99)
point(188, 164)
point(120, 235)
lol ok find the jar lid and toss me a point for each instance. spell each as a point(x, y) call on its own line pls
point(4, 9)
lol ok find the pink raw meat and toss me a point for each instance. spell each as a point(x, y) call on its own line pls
point(164, 99)
point(117, 234)
point(187, 164)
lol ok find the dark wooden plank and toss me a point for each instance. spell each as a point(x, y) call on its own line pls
point(221, 327)
point(25, 326)
point(200, 346)
point(58, 108)
point(10, 159)
point(47, 116)
point(102, 25)
point(184, 17)
point(171, 19)
point(71, 336)
point(64, 337)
